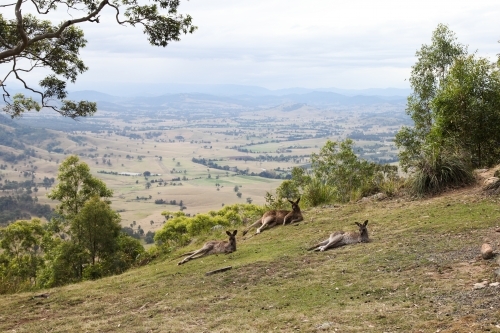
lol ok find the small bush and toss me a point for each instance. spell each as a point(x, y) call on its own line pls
point(436, 173)
point(316, 193)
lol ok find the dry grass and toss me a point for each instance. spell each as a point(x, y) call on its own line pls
point(416, 275)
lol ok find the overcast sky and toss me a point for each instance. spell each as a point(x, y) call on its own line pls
point(276, 44)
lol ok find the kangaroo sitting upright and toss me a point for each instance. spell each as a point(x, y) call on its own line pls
point(341, 238)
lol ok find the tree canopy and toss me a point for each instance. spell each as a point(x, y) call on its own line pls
point(455, 107)
point(29, 42)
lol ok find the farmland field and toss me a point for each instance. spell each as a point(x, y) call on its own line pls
point(251, 152)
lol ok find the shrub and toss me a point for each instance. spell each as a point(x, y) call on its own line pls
point(316, 193)
point(436, 172)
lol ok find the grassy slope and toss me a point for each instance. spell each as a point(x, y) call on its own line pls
point(415, 276)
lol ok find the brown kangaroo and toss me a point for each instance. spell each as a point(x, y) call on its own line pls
point(341, 238)
point(274, 217)
point(213, 247)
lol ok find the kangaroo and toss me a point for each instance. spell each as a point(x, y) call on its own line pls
point(213, 247)
point(274, 217)
point(341, 238)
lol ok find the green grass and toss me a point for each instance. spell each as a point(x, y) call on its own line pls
point(415, 276)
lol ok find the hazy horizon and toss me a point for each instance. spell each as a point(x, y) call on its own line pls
point(279, 44)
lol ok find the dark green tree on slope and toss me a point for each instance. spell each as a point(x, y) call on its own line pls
point(455, 109)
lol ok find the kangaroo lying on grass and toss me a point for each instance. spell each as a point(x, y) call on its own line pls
point(213, 247)
point(341, 238)
point(274, 217)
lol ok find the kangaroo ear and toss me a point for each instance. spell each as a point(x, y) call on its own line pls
point(235, 232)
point(228, 233)
point(366, 222)
point(290, 201)
point(358, 224)
point(297, 202)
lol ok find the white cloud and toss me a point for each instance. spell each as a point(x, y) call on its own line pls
point(287, 43)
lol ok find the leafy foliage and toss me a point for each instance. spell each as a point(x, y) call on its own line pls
point(467, 108)
point(76, 186)
point(439, 172)
point(28, 43)
point(20, 259)
point(181, 228)
point(338, 175)
point(87, 245)
point(20, 206)
point(455, 109)
point(427, 76)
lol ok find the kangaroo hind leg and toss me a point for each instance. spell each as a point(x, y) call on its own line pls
point(266, 222)
point(333, 241)
point(256, 223)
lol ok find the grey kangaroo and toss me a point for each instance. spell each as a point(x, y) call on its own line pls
point(341, 238)
point(275, 217)
point(213, 247)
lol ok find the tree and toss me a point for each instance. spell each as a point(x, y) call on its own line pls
point(467, 108)
point(453, 106)
point(96, 228)
point(337, 166)
point(427, 76)
point(76, 186)
point(21, 244)
point(28, 42)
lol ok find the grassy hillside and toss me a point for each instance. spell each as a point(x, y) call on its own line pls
point(416, 275)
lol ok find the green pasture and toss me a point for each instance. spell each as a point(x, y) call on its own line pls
point(416, 275)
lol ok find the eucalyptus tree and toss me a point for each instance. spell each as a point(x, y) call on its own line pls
point(427, 76)
point(455, 107)
point(29, 42)
point(96, 228)
point(75, 187)
point(467, 108)
point(21, 255)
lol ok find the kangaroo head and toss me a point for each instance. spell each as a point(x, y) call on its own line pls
point(232, 238)
point(295, 205)
point(363, 231)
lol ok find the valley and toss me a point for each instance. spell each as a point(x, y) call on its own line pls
point(198, 157)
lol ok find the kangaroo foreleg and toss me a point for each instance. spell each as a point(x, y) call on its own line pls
point(297, 219)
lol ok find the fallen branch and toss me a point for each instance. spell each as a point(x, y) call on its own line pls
point(219, 270)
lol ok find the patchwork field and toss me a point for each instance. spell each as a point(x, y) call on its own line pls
point(166, 143)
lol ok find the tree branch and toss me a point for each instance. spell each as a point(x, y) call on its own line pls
point(10, 4)
point(20, 47)
point(14, 70)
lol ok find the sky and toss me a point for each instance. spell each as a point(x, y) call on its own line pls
point(277, 44)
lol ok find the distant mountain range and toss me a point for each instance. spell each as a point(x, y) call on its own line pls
point(236, 97)
point(230, 96)
point(125, 89)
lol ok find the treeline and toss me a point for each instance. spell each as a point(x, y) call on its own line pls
point(83, 242)
point(20, 135)
point(23, 206)
point(265, 174)
point(14, 185)
point(10, 157)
